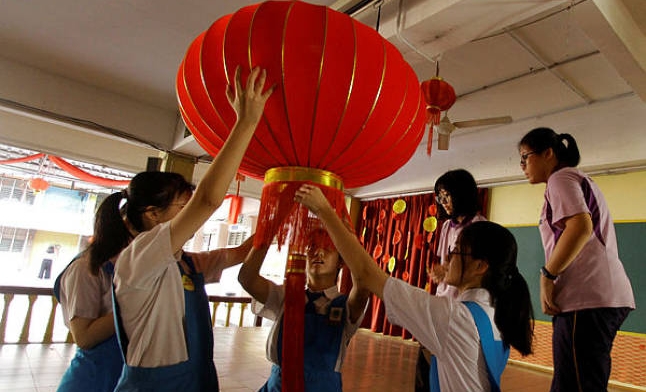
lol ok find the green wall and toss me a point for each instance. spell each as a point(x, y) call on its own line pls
point(518, 207)
point(630, 237)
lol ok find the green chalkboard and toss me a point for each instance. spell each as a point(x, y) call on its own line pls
point(631, 238)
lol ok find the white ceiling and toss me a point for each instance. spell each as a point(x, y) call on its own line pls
point(95, 81)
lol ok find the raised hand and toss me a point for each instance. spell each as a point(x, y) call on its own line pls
point(312, 197)
point(249, 102)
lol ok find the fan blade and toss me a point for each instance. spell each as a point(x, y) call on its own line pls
point(443, 141)
point(483, 121)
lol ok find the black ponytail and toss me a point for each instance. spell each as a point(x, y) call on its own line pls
point(563, 145)
point(514, 315)
point(568, 154)
point(110, 232)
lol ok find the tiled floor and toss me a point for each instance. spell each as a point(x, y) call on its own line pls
point(374, 363)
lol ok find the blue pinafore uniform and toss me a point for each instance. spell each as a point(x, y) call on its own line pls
point(198, 372)
point(323, 339)
point(96, 369)
point(495, 352)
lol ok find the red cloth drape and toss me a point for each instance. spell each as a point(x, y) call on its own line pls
point(22, 159)
point(71, 169)
point(414, 253)
point(85, 176)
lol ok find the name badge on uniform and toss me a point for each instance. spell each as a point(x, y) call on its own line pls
point(336, 315)
point(188, 283)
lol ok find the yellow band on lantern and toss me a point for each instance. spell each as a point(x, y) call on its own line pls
point(299, 173)
point(295, 263)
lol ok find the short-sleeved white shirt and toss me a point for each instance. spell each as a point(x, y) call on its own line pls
point(83, 294)
point(446, 327)
point(448, 238)
point(150, 295)
point(273, 310)
point(596, 277)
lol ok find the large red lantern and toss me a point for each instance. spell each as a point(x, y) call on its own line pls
point(347, 111)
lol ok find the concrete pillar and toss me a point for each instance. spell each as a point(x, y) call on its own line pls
point(176, 163)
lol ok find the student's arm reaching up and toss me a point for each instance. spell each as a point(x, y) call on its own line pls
point(249, 103)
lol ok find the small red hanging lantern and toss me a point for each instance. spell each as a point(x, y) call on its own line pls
point(439, 96)
point(38, 184)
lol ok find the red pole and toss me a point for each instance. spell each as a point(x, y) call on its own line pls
point(293, 324)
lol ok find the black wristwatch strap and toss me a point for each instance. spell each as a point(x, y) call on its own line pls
point(548, 274)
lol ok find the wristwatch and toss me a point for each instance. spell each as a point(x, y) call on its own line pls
point(548, 274)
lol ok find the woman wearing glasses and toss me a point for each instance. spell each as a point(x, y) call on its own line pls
point(470, 335)
point(583, 283)
point(457, 193)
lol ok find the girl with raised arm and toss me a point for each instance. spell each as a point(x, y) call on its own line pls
point(470, 335)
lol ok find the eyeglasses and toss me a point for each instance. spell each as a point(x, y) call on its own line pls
point(523, 157)
point(443, 198)
point(458, 252)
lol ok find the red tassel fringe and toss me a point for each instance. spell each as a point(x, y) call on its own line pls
point(291, 222)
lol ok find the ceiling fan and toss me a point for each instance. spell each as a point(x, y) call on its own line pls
point(446, 127)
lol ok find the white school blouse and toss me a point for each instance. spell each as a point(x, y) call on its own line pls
point(446, 327)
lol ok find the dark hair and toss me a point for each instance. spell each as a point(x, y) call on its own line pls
point(514, 315)
point(462, 187)
point(157, 189)
point(563, 145)
point(110, 233)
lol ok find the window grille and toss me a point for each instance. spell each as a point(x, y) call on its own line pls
point(236, 238)
point(13, 239)
point(16, 190)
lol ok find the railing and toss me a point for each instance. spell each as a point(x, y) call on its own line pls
point(33, 293)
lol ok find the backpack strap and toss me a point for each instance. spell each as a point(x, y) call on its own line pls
point(122, 337)
point(496, 352)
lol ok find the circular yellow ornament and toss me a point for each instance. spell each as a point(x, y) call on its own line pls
point(399, 206)
point(391, 264)
point(430, 224)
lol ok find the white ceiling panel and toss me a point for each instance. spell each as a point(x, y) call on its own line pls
point(577, 66)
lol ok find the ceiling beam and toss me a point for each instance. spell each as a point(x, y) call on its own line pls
point(618, 29)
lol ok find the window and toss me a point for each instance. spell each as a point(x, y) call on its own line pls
point(16, 190)
point(13, 239)
point(236, 238)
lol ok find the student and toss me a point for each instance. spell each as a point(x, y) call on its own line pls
point(583, 283)
point(84, 290)
point(456, 192)
point(161, 307)
point(331, 318)
point(492, 310)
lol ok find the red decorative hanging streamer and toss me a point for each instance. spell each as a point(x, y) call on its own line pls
point(23, 159)
point(85, 176)
point(71, 169)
